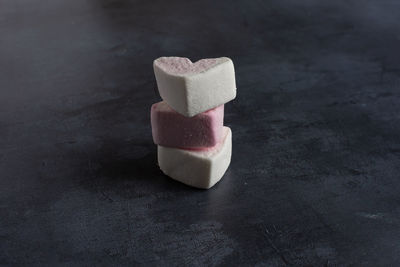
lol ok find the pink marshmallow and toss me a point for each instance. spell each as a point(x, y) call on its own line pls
point(171, 129)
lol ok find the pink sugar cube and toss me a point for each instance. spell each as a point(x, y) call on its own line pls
point(172, 129)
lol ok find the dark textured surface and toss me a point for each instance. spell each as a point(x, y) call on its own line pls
point(314, 178)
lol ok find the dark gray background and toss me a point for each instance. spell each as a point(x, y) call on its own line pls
point(314, 178)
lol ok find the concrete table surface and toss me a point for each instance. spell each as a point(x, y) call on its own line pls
point(315, 172)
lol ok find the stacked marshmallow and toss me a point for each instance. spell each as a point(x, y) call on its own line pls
point(193, 145)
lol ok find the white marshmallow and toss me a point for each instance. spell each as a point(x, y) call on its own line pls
point(191, 88)
point(197, 168)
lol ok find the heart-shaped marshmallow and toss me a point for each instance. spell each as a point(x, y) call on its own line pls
point(192, 88)
point(198, 168)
